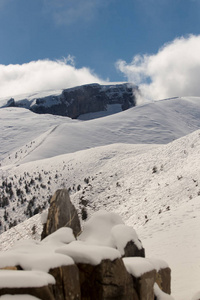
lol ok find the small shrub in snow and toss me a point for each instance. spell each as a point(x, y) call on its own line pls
point(83, 201)
point(33, 229)
point(78, 187)
point(4, 201)
point(43, 186)
point(84, 214)
point(19, 192)
point(5, 215)
point(40, 177)
point(86, 180)
point(154, 170)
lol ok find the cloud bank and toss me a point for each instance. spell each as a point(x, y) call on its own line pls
point(43, 75)
point(173, 71)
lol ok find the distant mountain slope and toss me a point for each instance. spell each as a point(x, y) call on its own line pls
point(79, 100)
point(19, 126)
point(153, 123)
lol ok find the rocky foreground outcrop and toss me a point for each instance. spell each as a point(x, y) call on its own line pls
point(92, 266)
point(62, 213)
point(80, 100)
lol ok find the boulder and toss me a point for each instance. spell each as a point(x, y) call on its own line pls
point(132, 250)
point(163, 274)
point(163, 279)
point(143, 274)
point(87, 98)
point(106, 281)
point(62, 213)
point(67, 285)
point(144, 285)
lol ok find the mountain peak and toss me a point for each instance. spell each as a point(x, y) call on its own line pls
point(73, 102)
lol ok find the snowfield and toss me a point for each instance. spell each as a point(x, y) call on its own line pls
point(142, 163)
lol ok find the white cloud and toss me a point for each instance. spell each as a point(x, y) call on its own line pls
point(173, 71)
point(43, 75)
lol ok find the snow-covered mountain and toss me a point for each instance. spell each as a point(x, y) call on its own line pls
point(32, 136)
point(74, 102)
point(142, 163)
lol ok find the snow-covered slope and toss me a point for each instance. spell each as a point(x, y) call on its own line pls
point(153, 123)
point(19, 126)
point(155, 188)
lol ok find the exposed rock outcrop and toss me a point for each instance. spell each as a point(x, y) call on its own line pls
point(67, 285)
point(76, 101)
point(144, 285)
point(34, 283)
point(92, 267)
point(108, 280)
point(132, 250)
point(163, 279)
point(62, 213)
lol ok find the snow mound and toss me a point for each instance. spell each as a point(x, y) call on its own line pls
point(108, 229)
point(19, 279)
point(88, 254)
point(137, 266)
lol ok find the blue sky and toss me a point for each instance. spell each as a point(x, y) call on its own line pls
point(96, 33)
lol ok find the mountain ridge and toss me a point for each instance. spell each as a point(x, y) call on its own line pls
point(157, 122)
point(73, 102)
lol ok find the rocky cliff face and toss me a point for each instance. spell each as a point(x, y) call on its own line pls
point(80, 100)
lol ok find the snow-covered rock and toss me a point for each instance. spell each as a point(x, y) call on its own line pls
point(80, 100)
